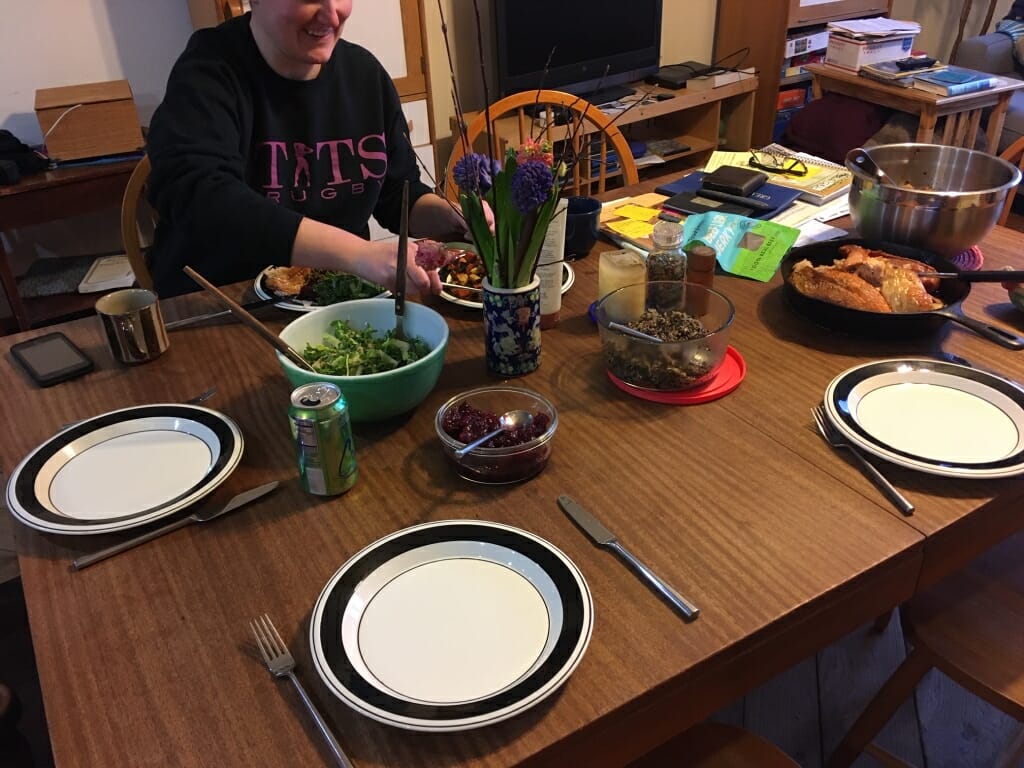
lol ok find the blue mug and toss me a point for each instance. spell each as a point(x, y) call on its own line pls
point(581, 222)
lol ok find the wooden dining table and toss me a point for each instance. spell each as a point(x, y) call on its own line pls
point(146, 659)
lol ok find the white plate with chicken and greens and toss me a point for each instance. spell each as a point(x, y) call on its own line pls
point(303, 289)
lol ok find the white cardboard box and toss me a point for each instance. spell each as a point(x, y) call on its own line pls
point(805, 43)
point(847, 53)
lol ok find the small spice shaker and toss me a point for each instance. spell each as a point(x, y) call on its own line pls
point(700, 269)
point(667, 262)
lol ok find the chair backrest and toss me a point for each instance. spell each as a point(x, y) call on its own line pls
point(130, 223)
point(1012, 154)
point(534, 114)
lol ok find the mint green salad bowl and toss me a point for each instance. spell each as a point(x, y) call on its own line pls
point(373, 396)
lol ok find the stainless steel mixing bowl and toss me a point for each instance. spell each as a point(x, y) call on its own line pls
point(945, 199)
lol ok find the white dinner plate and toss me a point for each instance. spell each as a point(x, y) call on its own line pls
point(933, 416)
point(568, 278)
point(293, 304)
point(124, 469)
point(451, 625)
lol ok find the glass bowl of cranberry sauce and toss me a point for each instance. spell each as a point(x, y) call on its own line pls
point(510, 457)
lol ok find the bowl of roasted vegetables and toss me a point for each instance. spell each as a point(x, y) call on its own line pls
point(353, 345)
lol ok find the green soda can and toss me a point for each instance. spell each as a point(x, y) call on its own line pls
point(323, 439)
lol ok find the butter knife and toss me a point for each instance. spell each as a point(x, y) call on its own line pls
point(196, 517)
point(186, 321)
point(401, 264)
point(605, 538)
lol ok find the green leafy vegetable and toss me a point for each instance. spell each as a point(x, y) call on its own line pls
point(332, 287)
point(346, 351)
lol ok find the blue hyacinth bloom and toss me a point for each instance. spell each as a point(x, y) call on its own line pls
point(531, 186)
point(474, 173)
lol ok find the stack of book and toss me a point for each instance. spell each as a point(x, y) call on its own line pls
point(795, 65)
point(890, 72)
point(954, 81)
point(824, 181)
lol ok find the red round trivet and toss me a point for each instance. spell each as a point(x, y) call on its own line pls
point(970, 259)
point(729, 376)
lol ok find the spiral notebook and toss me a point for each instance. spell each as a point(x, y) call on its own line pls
point(824, 182)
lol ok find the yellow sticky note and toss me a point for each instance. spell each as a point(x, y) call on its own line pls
point(637, 212)
point(632, 228)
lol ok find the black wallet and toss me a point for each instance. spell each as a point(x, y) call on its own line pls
point(734, 180)
point(693, 202)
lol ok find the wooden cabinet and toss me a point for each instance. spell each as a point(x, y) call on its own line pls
point(761, 28)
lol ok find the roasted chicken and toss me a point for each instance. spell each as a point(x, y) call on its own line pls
point(872, 281)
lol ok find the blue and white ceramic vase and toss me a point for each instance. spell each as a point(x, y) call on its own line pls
point(512, 328)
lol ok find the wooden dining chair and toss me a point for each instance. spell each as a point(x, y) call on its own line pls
point(970, 627)
point(130, 237)
point(716, 745)
point(557, 117)
point(1012, 154)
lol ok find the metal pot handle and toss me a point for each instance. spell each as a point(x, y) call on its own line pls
point(1000, 336)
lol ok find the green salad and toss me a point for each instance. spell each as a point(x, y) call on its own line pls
point(332, 287)
point(346, 351)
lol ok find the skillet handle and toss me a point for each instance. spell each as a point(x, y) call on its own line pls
point(1000, 336)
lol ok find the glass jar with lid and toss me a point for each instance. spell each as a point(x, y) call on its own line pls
point(667, 261)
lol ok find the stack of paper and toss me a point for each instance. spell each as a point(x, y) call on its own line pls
point(862, 29)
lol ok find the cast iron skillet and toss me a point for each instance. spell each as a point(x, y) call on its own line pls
point(894, 325)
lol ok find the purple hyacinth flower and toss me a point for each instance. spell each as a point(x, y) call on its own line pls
point(531, 186)
point(475, 173)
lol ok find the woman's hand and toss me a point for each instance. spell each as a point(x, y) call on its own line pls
point(383, 262)
point(322, 246)
point(434, 217)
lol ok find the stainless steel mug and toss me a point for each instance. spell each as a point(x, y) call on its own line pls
point(133, 324)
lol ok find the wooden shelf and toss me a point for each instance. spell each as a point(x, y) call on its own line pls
point(800, 79)
point(761, 28)
point(693, 118)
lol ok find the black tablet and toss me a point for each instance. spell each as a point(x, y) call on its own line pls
point(51, 358)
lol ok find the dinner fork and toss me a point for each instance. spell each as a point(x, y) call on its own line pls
point(281, 663)
point(836, 440)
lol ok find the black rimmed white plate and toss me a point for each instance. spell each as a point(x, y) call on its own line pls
point(451, 625)
point(124, 469)
point(933, 416)
point(293, 303)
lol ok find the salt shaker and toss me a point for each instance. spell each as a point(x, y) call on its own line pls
point(700, 270)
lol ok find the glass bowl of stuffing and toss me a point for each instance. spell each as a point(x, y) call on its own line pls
point(664, 335)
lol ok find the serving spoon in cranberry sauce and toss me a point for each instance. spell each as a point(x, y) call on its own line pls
point(507, 422)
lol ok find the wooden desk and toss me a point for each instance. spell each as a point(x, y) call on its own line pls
point(145, 659)
point(52, 196)
point(962, 113)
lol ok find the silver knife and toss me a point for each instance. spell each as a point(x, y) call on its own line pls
point(402, 263)
point(605, 538)
point(196, 517)
point(185, 321)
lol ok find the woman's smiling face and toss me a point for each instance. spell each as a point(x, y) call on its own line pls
point(296, 37)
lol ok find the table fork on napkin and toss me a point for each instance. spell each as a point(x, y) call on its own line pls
point(281, 663)
point(836, 440)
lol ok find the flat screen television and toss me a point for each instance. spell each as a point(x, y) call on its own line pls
point(597, 44)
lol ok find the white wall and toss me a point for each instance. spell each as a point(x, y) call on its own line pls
point(940, 20)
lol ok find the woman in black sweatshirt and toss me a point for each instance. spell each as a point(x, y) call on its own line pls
point(274, 144)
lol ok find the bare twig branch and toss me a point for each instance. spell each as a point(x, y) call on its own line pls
point(455, 90)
